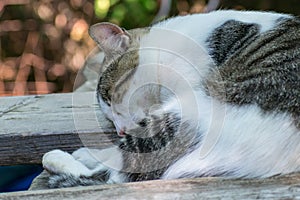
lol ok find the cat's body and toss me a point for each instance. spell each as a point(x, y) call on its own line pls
point(202, 95)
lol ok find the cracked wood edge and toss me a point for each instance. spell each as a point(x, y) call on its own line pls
point(18, 104)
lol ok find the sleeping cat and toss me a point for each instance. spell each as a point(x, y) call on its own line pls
point(212, 94)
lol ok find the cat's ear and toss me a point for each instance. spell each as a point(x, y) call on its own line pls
point(111, 38)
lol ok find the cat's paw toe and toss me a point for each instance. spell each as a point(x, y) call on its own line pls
point(60, 162)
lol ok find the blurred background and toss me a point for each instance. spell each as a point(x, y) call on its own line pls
point(43, 44)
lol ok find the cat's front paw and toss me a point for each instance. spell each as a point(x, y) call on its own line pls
point(60, 162)
point(87, 157)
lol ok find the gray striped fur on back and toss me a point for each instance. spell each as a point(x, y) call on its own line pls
point(258, 68)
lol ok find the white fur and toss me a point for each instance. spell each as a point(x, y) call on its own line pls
point(61, 162)
point(182, 41)
point(106, 109)
point(249, 144)
point(86, 162)
point(199, 26)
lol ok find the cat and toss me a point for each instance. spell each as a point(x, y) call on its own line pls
point(213, 94)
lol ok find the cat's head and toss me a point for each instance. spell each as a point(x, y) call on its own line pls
point(115, 84)
point(143, 68)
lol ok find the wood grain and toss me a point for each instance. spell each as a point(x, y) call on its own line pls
point(33, 125)
point(287, 187)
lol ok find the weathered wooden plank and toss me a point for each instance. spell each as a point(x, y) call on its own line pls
point(33, 125)
point(287, 187)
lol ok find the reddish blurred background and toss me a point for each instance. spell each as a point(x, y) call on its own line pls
point(43, 44)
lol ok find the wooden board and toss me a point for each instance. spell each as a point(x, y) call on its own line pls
point(33, 125)
point(186, 189)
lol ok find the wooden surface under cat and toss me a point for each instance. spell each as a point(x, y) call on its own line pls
point(29, 128)
point(34, 125)
point(187, 189)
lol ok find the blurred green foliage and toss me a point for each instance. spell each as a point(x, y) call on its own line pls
point(128, 13)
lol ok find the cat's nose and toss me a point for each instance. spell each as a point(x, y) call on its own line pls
point(122, 133)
